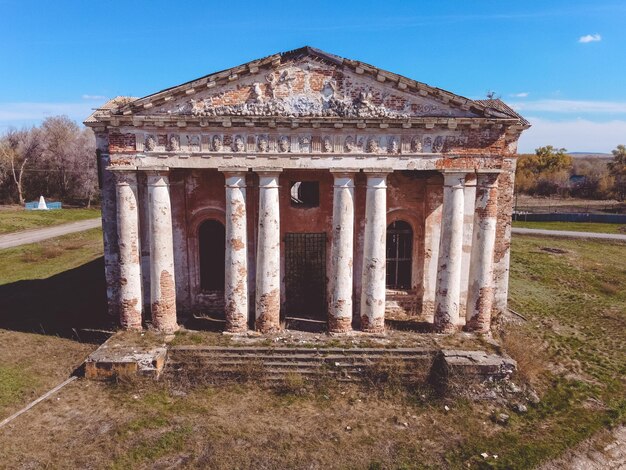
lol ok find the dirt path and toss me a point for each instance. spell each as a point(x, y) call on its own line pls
point(604, 452)
point(36, 235)
point(568, 234)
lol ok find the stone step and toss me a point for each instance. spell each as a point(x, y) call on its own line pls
point(275, 364)
point(304, 357)
point(301, 364)
point(306, 351)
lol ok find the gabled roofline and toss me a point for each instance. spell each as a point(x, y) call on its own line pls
point(483, 107)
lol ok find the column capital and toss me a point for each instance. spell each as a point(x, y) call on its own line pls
point(373, 172)
point(158, 178)
point(155, 169)
point(454, 179)
point(267, 171)
point(232, 169)
point(121, 169)
point(125, 177)
point(344, 171)
point(470, 179)
point(235, 177)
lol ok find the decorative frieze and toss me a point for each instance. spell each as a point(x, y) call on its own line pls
point(299, 143)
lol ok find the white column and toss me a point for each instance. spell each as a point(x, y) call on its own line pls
point(450, 253)
point(162, 282)
point(129, 291)
point(481, 291)
point(469, 196)
point(341, 259)
point(268, 254)
point(374, 256)
point(236, 266)
point(433, 205)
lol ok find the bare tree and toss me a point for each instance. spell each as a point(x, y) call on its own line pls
point(618, 169)
point(55, 159)
point(17, 150)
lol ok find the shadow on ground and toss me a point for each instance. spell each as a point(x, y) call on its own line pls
point(71, 304)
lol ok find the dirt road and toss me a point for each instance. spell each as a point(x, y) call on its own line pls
point(568, 234)
point(36, 235)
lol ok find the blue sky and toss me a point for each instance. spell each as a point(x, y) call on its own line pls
point(560, 63)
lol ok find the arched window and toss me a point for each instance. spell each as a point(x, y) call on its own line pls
point(211, 243)
point(399, 250)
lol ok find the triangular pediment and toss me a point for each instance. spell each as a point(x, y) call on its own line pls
point(308, 83)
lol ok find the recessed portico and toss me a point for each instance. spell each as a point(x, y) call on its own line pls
point(306, 178)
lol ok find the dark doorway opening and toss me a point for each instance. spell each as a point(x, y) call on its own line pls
point(211, 242)
point(399, 255)
point(305, 275)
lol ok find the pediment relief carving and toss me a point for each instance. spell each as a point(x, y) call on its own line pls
point(309, 89)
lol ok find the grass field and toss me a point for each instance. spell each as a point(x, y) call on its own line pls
point(574, 226)
point(49, 257)
point(571, 350)
point(14, 220)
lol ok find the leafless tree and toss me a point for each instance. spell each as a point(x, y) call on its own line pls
point(18, 149)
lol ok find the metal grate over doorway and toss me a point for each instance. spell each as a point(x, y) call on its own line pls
point(305, 275)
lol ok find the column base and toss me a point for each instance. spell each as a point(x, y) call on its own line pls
point(372, 326)
point(245, 332)
point(236, 324)
point(164, 318)
point(339, 325)
point(267, 325)
point(170, 330)
point(474, 326)
point(134, 328)
point(236, 331)
point(446, 328)
point(130, 317)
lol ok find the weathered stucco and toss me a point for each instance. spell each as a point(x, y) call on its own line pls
point(229, 146)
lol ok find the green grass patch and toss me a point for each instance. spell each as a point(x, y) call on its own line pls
point(574, 226)
point(15, 384)
point(574, 294)
point(14, 220)
point(49, 257)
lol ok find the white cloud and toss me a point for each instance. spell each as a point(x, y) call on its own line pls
point(523, 94)
point(590, 38)
point(570, 106)
point(579, 135)
point(94, 97)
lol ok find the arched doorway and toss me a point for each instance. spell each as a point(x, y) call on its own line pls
point(211, 247)
point(399, 255)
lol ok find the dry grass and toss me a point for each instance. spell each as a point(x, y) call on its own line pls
point(576, 327)
point(147, 425)
point(528, 354)
point(31, 364)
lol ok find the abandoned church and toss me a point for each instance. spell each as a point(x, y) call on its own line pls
point(305, 185)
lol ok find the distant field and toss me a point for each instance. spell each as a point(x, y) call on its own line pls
point(14, 220)
point(574, 226)
point(536, 201)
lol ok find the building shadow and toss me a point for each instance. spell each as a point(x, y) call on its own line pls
point(71, 304)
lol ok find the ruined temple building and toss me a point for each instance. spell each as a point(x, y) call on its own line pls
point(311, 186)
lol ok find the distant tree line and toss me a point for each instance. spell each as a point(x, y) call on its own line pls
point(55, 159)
point(551, 171)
